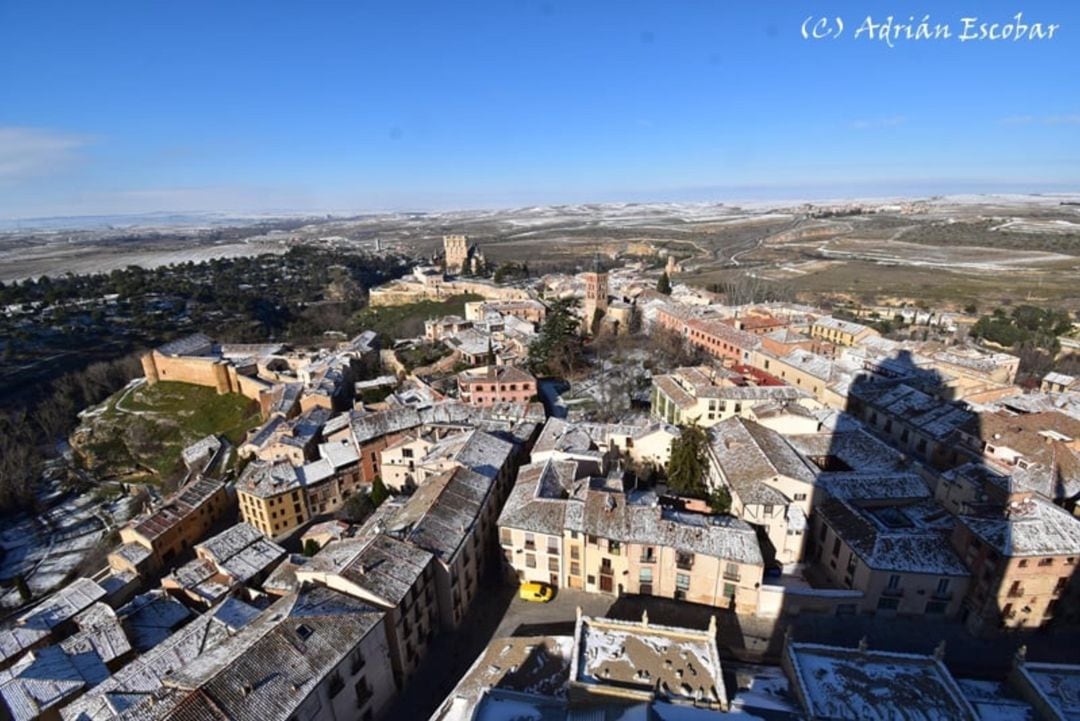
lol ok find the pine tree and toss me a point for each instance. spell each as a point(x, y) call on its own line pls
point(688, 464)
point(379, 493)
point(664, 284)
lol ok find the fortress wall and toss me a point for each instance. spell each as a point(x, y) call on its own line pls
point(197, 371)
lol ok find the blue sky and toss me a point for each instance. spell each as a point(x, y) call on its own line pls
point(141, 105)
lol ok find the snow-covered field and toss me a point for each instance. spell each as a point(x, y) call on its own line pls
point(45, 547)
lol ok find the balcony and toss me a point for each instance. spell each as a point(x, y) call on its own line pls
point(731, 577)
point(893, 592)
point(647, 559)
point(942, 595)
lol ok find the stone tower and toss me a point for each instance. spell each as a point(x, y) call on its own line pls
point(456, 248)
point(672, 266)
point(596, 293)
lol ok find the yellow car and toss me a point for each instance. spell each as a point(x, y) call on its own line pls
point(537, 592)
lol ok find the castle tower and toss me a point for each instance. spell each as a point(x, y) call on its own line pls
point(456, 248)
point(672, 266)
point(596, 294)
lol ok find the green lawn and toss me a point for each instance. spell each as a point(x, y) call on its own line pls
point(407, 321)
point(141, 434)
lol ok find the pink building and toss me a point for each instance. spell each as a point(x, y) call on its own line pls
point(496, 384)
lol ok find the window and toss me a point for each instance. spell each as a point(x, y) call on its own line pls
point(1046, 562)
point(553, 546)
point(505, 537)
point(614, 548)
point(800, 496)
point(530, 560)
point(836, 548)
point(768, 509)
point(363, 692)
point(888, 603)
point(682, 581)
point(731, 572)
point(530, 542)
point(894, 582)
point(648, 554)
point(729, 591)
point(1023, 563)
point(575, 568)
point(575, 552)
point(935, 607)
point(336, 685)
point(553, 565)
point(645, 575)
point(358, 662)
point(684, 560)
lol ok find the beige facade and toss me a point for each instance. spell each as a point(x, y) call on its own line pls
point(888, 588)
point(273, 514)
point(456, 250)
point(399, 461)
point(594, 564)
point(692, 395)
point(804, 370)
point(841, 332)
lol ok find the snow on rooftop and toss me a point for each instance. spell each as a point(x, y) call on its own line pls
point(864, 685)
point(674, 663)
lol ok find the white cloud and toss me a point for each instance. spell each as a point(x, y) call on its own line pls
point(1073, 119)
point(874, 123)
point(32, 152)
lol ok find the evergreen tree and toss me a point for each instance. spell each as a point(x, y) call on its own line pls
point(664, 284)
point(688, 464)
point(379, 493)
point(558, 346)
point(23, 588)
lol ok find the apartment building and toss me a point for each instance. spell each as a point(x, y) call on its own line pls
point(531, 311)
point(1059, 383)
point(913, 420)
point(272, 498)
point(153, 541)
point(277, 496)
point(393, 575)
point(770, 482)
point(1038, 452)
point(398, 461)
point(1023, 560)
point(495, 384)
point(597, 443)
point(566, 529)
point(315, 654)
point(451, 515)
point(841, 332)
point(823, 378)
point(240, 556)
point(706, 396)
point(722, 341)
point(898, 555)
